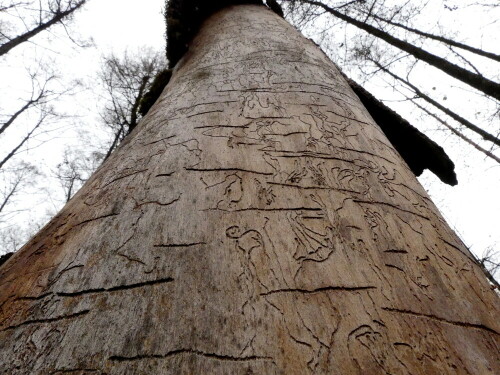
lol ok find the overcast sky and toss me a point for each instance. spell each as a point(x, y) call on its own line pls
point(471, 208)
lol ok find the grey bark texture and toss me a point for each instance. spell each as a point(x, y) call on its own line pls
point(257, 221)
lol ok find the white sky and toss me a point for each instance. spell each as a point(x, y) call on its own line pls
point(472, 208)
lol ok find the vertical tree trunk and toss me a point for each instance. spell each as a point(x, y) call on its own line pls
point(257, 221)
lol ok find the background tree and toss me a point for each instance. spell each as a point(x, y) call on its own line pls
point(37, 113)
point(20, 21)
point(473, 79)
point(126, 80)
point(31, 109)
point(392, 24)
point(75, 169)
point(23, 175)
point(15, 181)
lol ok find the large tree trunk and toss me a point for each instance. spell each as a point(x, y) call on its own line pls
point(257, 221)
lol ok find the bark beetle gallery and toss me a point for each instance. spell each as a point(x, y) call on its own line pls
point(257, 221)
point(183, 19)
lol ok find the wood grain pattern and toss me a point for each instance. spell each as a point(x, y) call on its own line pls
point(257, 221)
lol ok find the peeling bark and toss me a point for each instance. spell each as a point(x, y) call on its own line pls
point(250, 224)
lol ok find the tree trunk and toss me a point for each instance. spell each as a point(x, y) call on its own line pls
point(475, 80)
point(439, 38)
point(257, 221)
point(476, 129)
point(57, 15)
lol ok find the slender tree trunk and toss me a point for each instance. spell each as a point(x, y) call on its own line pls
point(58, 16)
point(135, 108)
point(476, 129)
point(257, 221)
point(477, 81)
point(22, 142)
point(13, 118)
point(464, 138)
point(439, 38)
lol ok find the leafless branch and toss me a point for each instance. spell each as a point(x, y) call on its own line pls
point(126, 80)
point(457, 132)
point(49, 14)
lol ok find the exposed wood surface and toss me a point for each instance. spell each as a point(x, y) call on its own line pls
point(257, 221)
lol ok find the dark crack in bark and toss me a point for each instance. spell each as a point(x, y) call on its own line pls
point(216, 356)
point(320, 290)
point(47, 320)
point(228, 170)
point(174, 245)
point(442, 320)
point(115, 288)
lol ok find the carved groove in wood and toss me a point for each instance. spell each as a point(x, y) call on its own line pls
point(256, 222)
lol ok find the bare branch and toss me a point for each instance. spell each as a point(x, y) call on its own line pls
point(57, 11)
point(127, 80)
point(457, 133)
point(75, 168)
point(23, 141)
point(480, 83)
point(439, 38)
point(13, 182)
point(487, 136)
